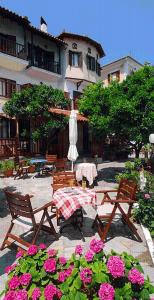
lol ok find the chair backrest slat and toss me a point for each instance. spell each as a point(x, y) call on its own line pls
point(51, 158)
point(62, 179)
point(20, 205)
point(127, 190)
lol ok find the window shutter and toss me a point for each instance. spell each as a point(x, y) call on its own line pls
point(109, 78)
point(118, 76)
point(87, 59)
point(93, 64)
point(80, 59)
point(70, 58)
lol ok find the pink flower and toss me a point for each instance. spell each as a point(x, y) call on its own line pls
point(68, 271)
point(50, 291)
point(61, 276)
point(146, 196)
point(136, 277)
point(14, 283)
point(59, 294)
point(19, 254)
point(42, 246)
point(52, 252)
point(25, 279)
point(36, 294)
point(96, 246)
point(62, 260)
point(8, 269)
point(10, 295)
point(86, 275)
point(78, 250)
point(106, 292)
point(21, 295)
point(32, 250)
point(116, 266)
point(50, 265)
point(89, 256)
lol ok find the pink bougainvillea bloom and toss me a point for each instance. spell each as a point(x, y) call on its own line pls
point(14, 283)
point(96, 246)
point(106, 292)
point(19, 254)
point(89, 256)
point(50, 265)
point(32, 250)
point(62, 260)
point(42, 246)
point(10, 295)
point(52, 252)
point(21, 295)
point(36, 294)
point(62, 276)
point(86, 275)
point(116, 266)
point(136, 277)
point(8, 269)
point(146, 196)
point(50, 291)
point(25, 279)
point(78, 250)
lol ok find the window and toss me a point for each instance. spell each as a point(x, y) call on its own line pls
point(7, 87)
point(115, 76)
point(91, 63)
point(75, 59)
point(89, 50)
point(74, 46)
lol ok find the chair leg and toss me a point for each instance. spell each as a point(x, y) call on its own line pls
point(6, 237)
point(53, 231)
point(129, 223)
point(38, 228)
point(103, 233)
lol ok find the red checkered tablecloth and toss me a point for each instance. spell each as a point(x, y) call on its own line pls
point(68, 203)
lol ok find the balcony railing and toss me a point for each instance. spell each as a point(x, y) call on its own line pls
point(12, 48)
point(49, 66)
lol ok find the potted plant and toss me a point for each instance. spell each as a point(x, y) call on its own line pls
point(7, 168)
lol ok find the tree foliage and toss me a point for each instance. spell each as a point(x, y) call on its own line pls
point(34, 102)
point(125, 109)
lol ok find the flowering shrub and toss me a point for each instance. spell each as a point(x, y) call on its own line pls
point(41, 274)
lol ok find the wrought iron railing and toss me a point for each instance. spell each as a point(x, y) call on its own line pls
point(10, 47)
point(51, 66)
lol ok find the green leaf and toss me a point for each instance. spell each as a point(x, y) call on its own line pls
point(24, 267)
point(101, 277)
point(77, 283)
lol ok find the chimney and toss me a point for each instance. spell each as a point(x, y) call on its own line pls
point(43, 25)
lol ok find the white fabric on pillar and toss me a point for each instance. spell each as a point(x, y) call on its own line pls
point(73, 136)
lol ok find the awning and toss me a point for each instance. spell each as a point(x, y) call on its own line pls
point(66, 112)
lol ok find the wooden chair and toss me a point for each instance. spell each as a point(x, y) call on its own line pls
point(125, 195)
point(60, 164)
point(32, 220)
point(63, 179)
point(51, 158)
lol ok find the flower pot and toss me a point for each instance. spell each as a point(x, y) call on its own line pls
point(8, 173)
point(31, 169)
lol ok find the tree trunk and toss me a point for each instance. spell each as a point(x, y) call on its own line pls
point(137, 152)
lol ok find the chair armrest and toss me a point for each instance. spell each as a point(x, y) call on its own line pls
point(42, 207)
point(106, 191)
point(119, 201)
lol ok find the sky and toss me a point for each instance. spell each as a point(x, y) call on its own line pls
point(122, 27)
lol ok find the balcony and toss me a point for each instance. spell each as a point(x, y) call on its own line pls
point(12, 55)
point(46, 70)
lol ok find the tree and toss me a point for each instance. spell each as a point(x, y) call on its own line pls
point(34, 102)
point(125, 109)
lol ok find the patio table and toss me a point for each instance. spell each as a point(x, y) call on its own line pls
point(68, 200)
point(87, 170)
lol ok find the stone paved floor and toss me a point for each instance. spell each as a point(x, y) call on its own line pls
point(120, 239)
